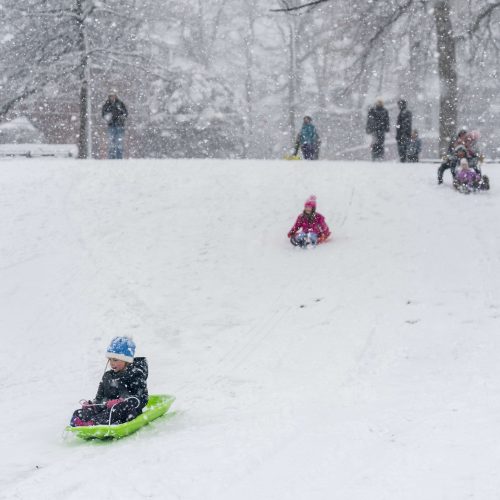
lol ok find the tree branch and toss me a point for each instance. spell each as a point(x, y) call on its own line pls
point(299, 7)
point(486, 12)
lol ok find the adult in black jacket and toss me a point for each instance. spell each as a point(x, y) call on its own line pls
point(377, 124)
point(115, 112)
point(403, 130)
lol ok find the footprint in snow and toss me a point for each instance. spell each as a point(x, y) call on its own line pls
point(319, 299)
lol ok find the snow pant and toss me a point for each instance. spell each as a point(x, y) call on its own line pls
point(115, 146)
point(316, 151)
point(101, 415)
point(403, 149)
point(378, 145)
point(308, 151)
point(302, 239)
point(448, 164)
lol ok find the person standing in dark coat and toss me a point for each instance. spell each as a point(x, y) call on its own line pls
point(403, 130)
point(115, 113)
point(377, 124)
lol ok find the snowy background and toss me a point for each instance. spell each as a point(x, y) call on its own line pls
point(233, 78)
point(365, 368)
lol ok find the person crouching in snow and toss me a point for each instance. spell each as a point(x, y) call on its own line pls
point(310, 226)
point(122, 392)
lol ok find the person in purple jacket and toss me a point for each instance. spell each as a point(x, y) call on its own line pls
point(310, 228)
point(468, 179)
point(466, 175)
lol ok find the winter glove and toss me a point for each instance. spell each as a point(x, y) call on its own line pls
point(113, 402)
point(87, 404)
point(291, 234)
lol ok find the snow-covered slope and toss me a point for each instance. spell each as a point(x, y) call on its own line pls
point(364, 369)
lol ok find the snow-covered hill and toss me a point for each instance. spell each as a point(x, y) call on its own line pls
point(364, 369)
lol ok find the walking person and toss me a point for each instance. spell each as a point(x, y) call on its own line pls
point(403, 130)
point(377, 125)
point(115, 114)
point(308, 140)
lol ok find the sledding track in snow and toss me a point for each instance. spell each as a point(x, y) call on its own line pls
point(365, 368)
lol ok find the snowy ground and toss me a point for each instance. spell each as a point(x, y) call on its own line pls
point(364, 369)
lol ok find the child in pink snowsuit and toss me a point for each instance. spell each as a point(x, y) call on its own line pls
point(310, 226)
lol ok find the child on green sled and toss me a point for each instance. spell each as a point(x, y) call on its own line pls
point(122, 392)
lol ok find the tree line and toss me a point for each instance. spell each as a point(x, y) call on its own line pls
point(233, 78)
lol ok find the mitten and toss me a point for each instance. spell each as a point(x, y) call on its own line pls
point(113, 402)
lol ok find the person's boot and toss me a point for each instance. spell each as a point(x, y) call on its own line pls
point(78, 422)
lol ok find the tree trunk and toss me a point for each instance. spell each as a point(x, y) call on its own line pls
point(83, 136)
point(292, 79)
point(248, 44)
point(447, 68)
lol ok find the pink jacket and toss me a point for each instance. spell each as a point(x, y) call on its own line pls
point(316, 225)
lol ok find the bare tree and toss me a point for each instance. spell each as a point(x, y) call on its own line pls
point(56, 43)
point(370, 24)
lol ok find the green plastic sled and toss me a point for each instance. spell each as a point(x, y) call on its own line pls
point(158, 405)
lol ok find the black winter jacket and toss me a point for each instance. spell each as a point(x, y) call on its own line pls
point(116, 112)
point(403, 125)
point(378, 120)
point(129, 382)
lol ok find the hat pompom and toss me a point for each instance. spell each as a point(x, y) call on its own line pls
point(122, 348)
point(310, 202)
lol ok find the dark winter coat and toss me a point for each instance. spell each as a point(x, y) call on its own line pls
point(403, 125)
point(414, 147)
point(378, 120)
point(114, 113)
point(124, 384)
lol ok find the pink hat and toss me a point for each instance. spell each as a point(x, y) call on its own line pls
point(310, 202)
point(474, 135)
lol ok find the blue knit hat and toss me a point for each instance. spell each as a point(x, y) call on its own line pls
point(122, 348)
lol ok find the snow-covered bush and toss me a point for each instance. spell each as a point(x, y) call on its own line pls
point(194, 115)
